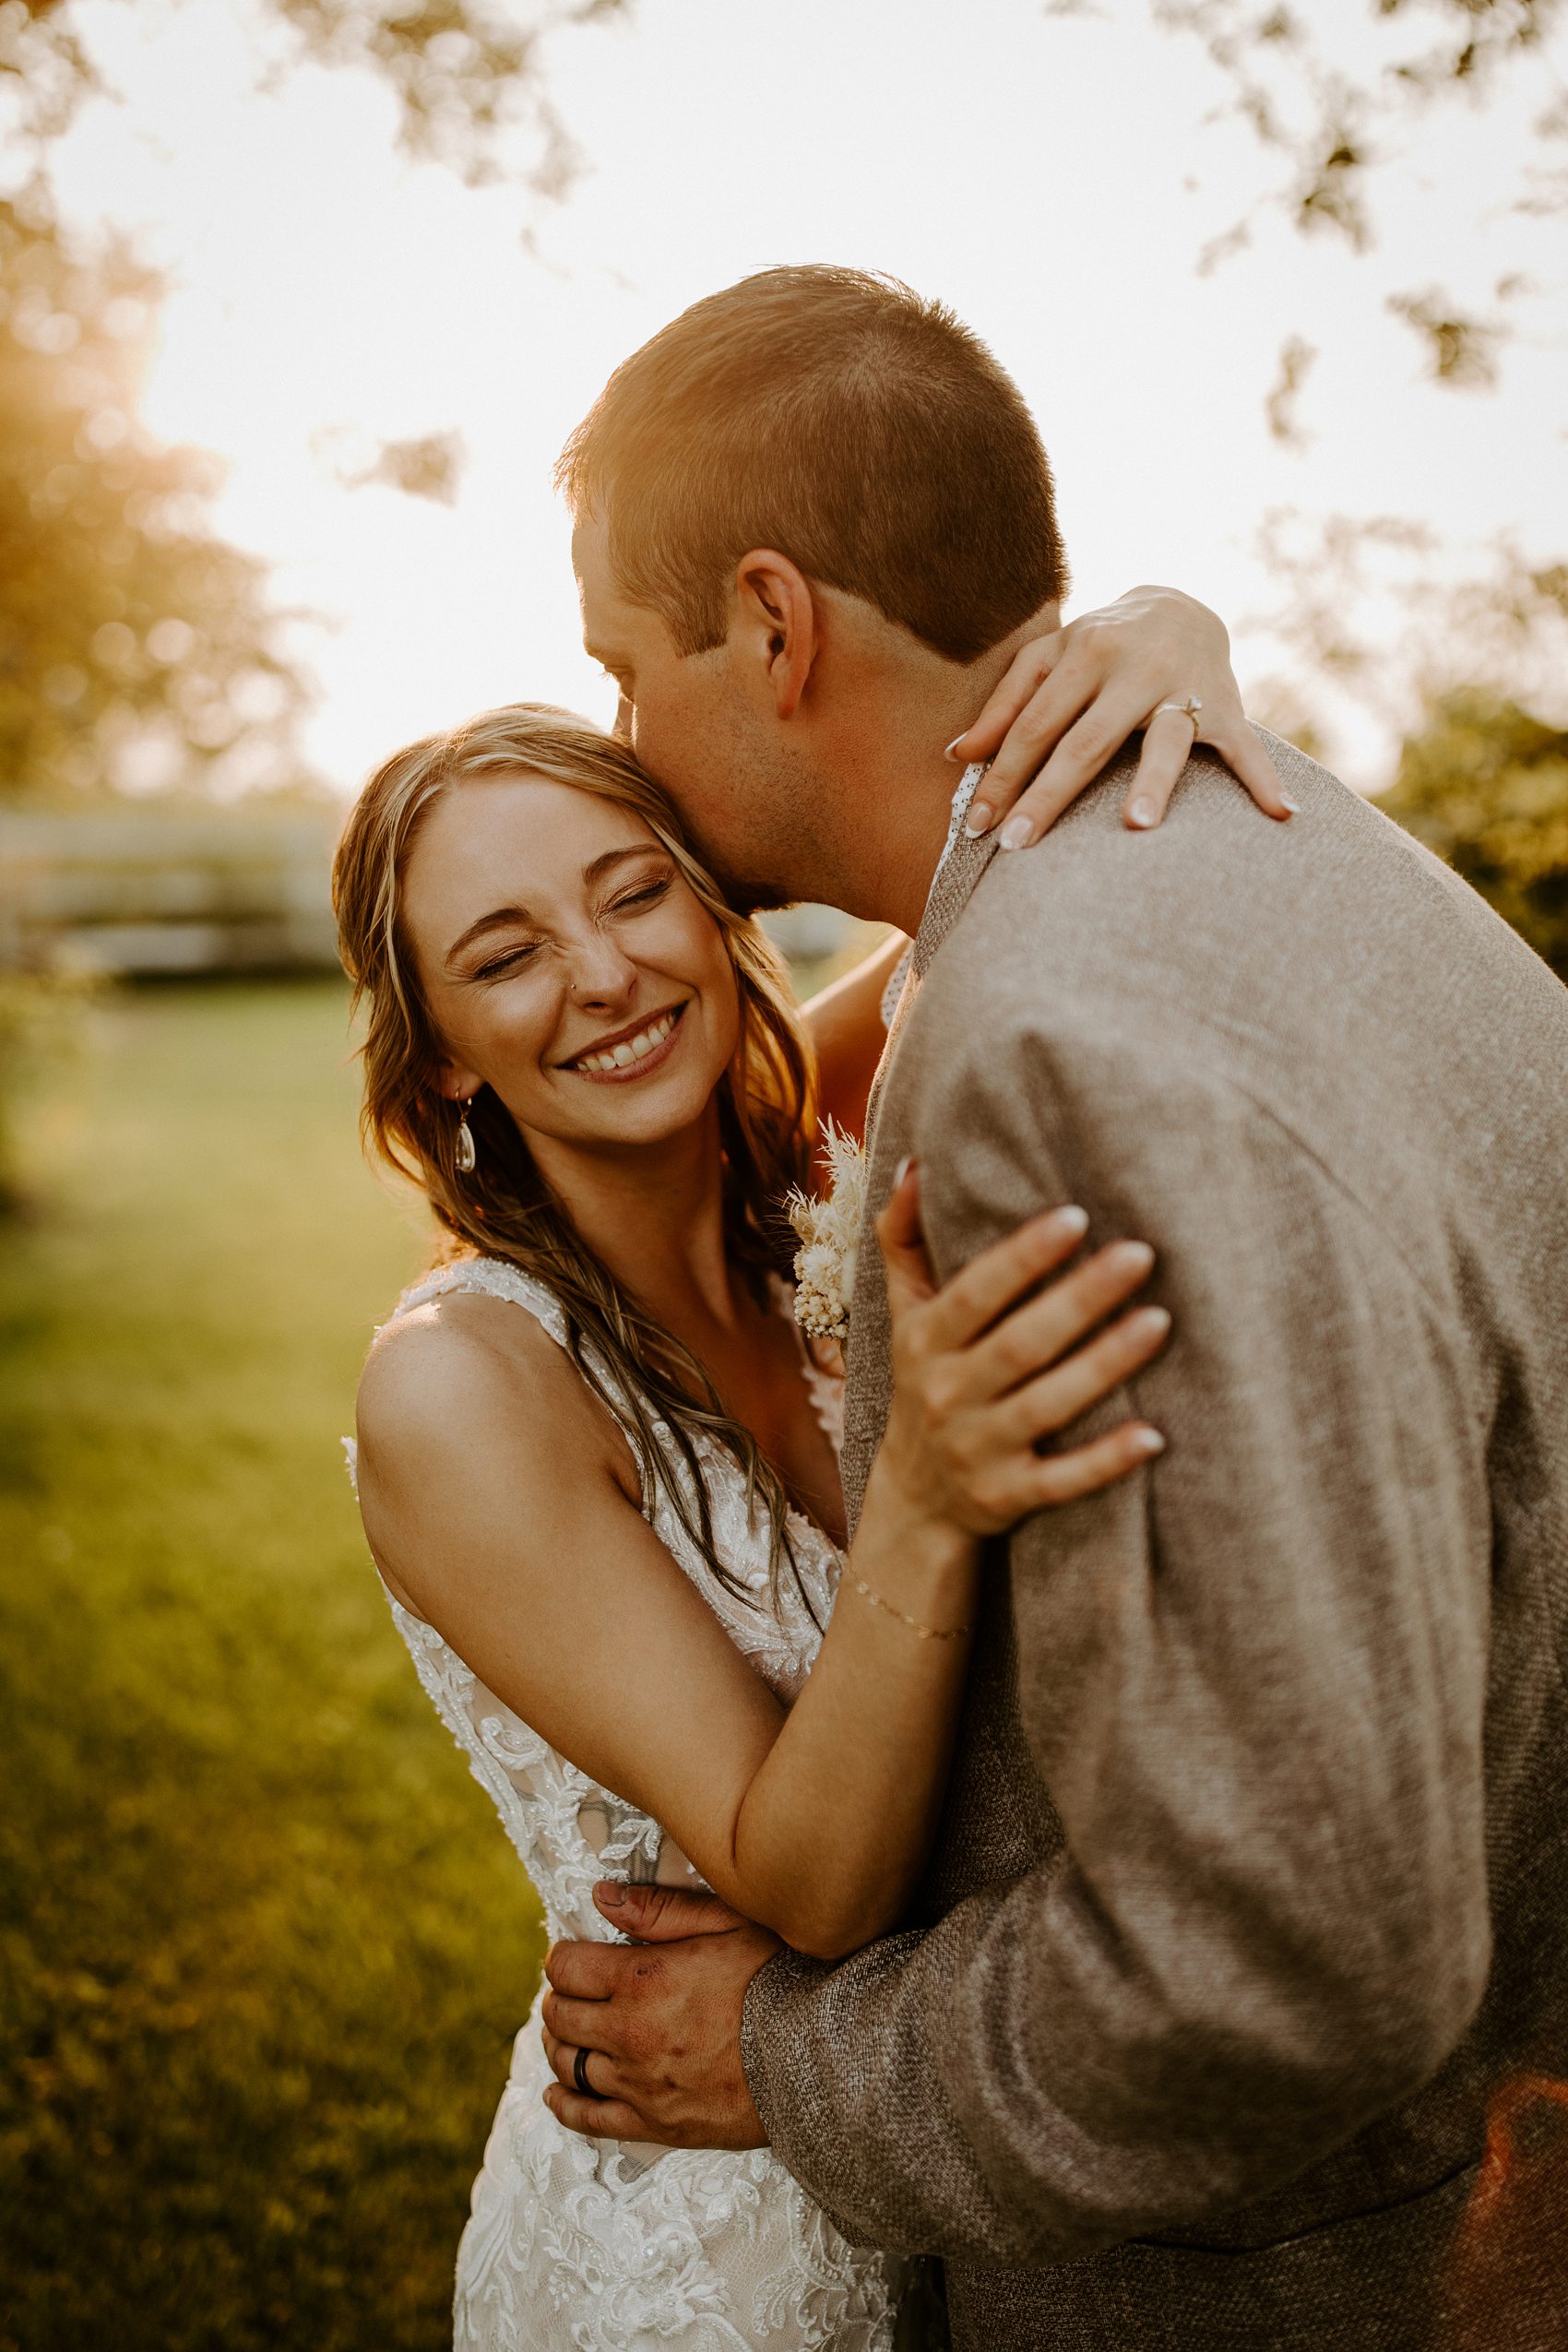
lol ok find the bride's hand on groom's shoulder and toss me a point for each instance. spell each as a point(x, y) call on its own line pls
point(1007, 1356)
point(1072, 699)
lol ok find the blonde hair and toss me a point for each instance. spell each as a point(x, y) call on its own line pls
point(503, 1208)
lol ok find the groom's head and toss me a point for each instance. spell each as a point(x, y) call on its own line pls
point(806, 512)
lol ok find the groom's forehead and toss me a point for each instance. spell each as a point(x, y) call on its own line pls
point(598, 599)
point(590, 562)
point(614, 627)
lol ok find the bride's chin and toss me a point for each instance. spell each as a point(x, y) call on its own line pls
point(650, 1121)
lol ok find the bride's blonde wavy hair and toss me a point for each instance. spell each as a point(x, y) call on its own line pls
point(503, 1207)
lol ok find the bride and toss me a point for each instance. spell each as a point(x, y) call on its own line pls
point(596, 1467)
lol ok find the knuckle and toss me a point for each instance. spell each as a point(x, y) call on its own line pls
point(1090, 739)
point(1020, 1349)
point(1036, 725)
point(997, 1504)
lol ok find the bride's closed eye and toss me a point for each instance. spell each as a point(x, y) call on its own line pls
point(500, 965)
point(646, 894)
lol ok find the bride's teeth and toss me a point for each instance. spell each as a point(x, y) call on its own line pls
point(633, 1050)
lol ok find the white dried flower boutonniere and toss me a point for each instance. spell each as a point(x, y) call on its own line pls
point(829, 1233)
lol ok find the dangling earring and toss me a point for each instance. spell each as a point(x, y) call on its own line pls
point(465, 1156)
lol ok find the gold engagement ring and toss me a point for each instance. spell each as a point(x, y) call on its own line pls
point(1189, 709)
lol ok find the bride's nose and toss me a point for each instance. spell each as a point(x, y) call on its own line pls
point(599, 972)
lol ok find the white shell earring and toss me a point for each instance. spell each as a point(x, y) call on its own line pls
point(465, 1157)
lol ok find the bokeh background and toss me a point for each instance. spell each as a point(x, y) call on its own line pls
point(298, 300)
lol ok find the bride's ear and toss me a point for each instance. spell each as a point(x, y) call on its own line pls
point(457, 1082)
point(777, 624)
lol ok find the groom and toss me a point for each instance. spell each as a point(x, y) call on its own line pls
point(1245, 1941)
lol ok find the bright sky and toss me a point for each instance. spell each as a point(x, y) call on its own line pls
point(1053, 178)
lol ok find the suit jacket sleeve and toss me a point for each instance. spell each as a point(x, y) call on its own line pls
point(1251, 1681)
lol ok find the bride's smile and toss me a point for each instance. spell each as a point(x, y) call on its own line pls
point(630, 1053)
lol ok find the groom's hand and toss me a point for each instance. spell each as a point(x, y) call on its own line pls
point(660, 2020)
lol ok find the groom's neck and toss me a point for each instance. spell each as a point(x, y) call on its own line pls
point(897, 784)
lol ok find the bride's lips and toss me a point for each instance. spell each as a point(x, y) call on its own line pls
point(641, 1066)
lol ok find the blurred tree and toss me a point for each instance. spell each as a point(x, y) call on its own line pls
point(1334, 116)
point(1375, 621)
point(430, 467)
point(130, 632)
point(469, 75)
point(1486, 786)
point(126, 626)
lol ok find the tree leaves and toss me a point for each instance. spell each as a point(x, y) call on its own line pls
point(125, 625)
point(1485, 785)
point(469, 79)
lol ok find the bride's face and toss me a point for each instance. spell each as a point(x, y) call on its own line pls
point(566, 963)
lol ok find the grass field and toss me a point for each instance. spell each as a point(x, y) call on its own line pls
point(262, 1946)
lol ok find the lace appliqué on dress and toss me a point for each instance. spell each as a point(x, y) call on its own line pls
point(578, 2245)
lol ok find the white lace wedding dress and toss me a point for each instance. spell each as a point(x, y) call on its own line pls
point(579, 2245)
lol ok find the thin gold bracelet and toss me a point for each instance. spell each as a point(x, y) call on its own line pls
point(926, 1633)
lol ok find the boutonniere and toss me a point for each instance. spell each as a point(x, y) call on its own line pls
point(829, 1232)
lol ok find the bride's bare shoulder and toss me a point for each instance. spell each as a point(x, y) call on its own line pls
point(466, 1362)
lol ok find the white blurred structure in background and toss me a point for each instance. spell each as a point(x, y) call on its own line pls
point(166, 891)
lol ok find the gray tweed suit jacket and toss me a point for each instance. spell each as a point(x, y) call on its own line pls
point(1251, 1897)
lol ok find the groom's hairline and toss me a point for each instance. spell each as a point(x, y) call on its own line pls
point(939, 383)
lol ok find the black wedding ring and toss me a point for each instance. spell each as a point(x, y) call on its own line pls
point(579, 2075)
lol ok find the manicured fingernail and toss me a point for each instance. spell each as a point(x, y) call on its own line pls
point(978, 819)
point(902, 1170)
point(1148, 1441)
point(1072, 1220)
point(1132, 1257)
point(1294, 806)
point(951, 750)
point(1141, 813)
point(1150, 1321)
point(611, 1892)
point(1017, 833)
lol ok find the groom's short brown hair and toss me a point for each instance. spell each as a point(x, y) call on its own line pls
point(840, 418)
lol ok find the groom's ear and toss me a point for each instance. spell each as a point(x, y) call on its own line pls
point(775, 625)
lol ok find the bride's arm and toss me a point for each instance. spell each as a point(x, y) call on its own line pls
point(502, 1503)
point(1068, 705)
point(844, 1023)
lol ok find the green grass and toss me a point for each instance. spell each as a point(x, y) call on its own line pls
point(262, 1945)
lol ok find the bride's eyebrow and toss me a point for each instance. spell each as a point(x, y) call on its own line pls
point(509, 918)
point(498, 919)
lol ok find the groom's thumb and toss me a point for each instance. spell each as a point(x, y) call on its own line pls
point(662, 1914)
